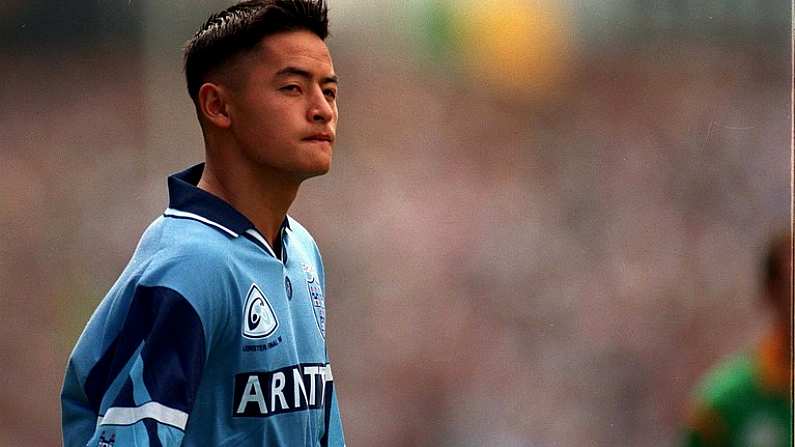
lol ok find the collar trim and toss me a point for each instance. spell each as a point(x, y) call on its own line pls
point(186, 197)
point(255, 234)
point(188, 201)
point(185, 215)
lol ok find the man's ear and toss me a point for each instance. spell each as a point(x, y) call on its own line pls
point(213, 105)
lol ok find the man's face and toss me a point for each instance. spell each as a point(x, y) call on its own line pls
point(284, 112)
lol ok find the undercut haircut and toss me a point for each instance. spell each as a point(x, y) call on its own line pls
point(240, 28)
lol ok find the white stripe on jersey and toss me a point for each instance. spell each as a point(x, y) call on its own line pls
point(152, 410)
point(262, 241)
point(178, 213)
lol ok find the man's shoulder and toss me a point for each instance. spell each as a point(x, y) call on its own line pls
point(174, 252)
point(188, 235)
point(298, 229)
point(303, 236)
point(174, 236)
point(305, 240)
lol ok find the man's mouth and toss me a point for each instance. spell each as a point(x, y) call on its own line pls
point(324, 136)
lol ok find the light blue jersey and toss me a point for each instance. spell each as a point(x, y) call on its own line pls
point(208, 338)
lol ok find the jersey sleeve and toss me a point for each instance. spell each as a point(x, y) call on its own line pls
point(333, 436)
point(143, 387)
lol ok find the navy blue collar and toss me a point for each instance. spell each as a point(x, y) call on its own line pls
point(186, 200)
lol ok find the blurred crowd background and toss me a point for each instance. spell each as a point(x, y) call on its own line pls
point(543, 223)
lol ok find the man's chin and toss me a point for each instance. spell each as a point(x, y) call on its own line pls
point(315, 171)
point(322, 171)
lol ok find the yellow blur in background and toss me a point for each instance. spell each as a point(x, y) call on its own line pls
point(516, 47)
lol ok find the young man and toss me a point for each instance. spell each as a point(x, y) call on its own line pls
point(214, 335)
point(746, 401)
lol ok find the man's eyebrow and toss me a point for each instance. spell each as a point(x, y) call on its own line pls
point(295, 71)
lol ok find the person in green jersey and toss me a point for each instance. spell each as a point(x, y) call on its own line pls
point(746, 400)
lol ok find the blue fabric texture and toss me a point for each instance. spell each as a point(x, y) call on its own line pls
point(208, 338)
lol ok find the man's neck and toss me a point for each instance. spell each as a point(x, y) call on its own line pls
point(263, 198)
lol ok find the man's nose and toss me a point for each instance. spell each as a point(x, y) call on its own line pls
point(320, 111)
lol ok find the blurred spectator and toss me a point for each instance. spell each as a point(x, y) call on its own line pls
point(745, 401)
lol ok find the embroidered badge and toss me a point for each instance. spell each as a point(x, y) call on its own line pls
point(259, 321)
point(316, 297)
point(106, 442)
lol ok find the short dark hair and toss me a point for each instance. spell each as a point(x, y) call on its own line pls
point(776, 259)
point(239, 28)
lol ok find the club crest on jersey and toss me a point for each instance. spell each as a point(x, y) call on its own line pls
point(106, 442)
point(316, 297)
point(259, 321)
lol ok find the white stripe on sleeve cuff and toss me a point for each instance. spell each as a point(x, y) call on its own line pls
point(152, 410)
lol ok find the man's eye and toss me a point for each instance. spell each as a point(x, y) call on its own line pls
point(291, 89)
point(330, 93)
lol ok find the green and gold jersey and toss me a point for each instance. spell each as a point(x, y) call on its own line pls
point(745, 401)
